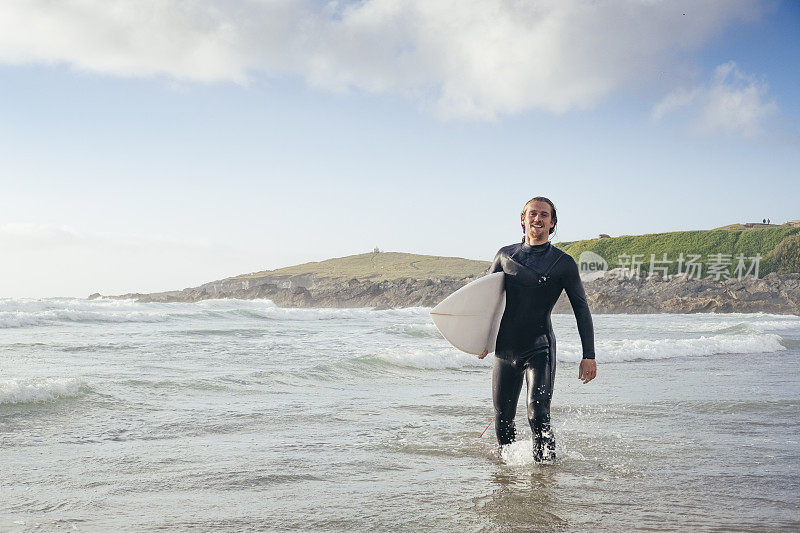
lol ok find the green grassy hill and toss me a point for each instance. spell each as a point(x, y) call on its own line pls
point(777, 245)
point(383, 266)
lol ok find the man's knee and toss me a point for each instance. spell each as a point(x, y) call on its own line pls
point(539, 404)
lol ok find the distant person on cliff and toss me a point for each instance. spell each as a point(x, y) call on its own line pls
point(535, 274)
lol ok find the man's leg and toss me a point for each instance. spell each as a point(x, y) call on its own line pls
point(506, 386)
point(539, 382)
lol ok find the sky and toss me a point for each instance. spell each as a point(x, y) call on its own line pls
point(160, 144)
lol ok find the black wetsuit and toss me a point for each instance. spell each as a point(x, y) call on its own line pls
point(526, 346)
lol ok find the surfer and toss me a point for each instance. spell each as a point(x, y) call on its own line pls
point(535, 274)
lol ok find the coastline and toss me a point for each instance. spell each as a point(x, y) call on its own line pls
point(775, 293)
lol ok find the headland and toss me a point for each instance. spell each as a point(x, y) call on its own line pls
point(731, 269)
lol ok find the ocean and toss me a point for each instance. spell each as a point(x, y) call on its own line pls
point(231, 415)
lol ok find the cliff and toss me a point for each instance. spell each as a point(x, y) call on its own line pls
point(775, 293)
point(379, 279)
point(309, 290)
point(387, 284)
point(391, 279)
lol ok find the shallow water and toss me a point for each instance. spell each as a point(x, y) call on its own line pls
point(236, 415)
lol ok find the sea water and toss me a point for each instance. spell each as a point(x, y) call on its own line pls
point(232, 415)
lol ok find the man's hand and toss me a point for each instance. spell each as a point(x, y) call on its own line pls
point(588, 370)
point(485, 352)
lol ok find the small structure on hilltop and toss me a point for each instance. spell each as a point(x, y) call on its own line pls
point(603, 236)
point(756, 224)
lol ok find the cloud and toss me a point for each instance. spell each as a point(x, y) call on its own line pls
point(731, 103)
point(463, 58)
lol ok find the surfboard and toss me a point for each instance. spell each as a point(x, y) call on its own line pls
point(470, 317)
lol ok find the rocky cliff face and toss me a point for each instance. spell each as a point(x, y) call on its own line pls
point(308, 290)
point(779, 294)
point(773, 294)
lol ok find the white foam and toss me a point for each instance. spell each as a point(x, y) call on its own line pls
point(758, 323)
point(53, 316)
point(416, 330)
point(779, 324)
point(50, 311)
point(267, 309)
point(24, 312)
point(701, 322)
point(440, 355)
point(33, 305)
point(518, 453)
point(434, 359)
point(14, 391)
point(638, 349)
point(651, 349)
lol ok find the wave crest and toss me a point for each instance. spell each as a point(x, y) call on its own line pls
point(433, 359)
point(616, 351)
point(22, 312)
point(18, 391)
point(608, 351)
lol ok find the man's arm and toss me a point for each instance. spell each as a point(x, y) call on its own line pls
point(577, 298)
point(496, 264)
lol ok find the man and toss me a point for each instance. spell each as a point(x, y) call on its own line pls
point(535, 274)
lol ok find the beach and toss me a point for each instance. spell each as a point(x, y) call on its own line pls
point(235, 415)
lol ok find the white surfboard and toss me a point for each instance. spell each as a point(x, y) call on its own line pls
point(470, 317)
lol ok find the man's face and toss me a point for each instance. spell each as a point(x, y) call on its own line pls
point(537, 220)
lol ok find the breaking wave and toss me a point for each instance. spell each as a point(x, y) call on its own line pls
point(17, 391)
point(641, 349)
point(433, 359)
point(608, 350)
point(15, 313)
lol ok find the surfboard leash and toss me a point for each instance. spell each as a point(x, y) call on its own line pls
point(487, 427)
